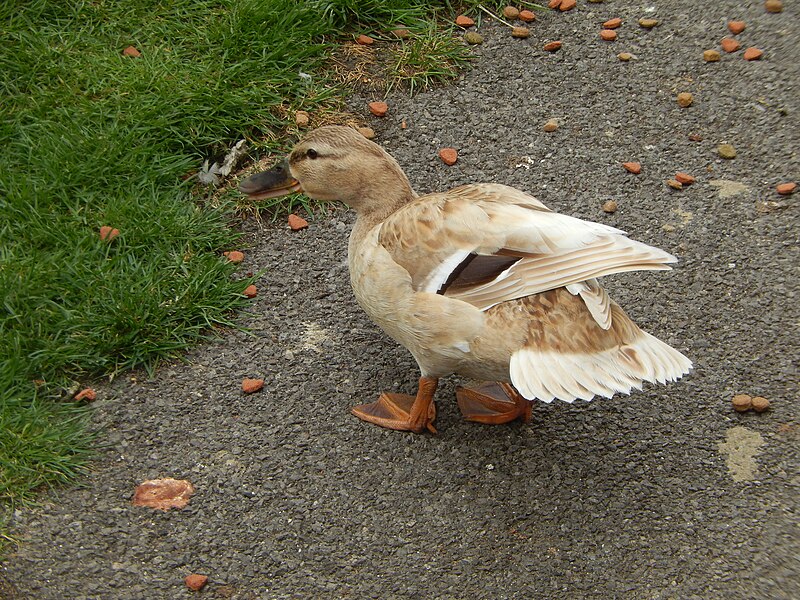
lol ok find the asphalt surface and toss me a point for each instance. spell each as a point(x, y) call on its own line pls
point(667, 493)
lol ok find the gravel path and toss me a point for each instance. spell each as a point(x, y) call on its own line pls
point(667, 493)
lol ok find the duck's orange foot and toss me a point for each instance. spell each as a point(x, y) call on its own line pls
point(401, 411)
point(493, 403)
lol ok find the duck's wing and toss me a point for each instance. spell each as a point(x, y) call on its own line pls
point(488, 243)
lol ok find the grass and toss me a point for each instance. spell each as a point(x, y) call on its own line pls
point(91, 137)
point(425, 59)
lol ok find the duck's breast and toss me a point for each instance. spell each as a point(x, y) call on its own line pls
point(438, 331)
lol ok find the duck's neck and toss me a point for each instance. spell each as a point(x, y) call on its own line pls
point(382, 193)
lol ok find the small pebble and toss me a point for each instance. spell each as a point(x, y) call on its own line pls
point(301, 118)
point(509, 12)
point(520, 32)
point(648, 23)
point(786, 189)
point(608, 35)
point(250, 291)
point(196, 582)
point(753, 53)
point(668, 227)
point(552, 46)
point(379, 109)
point(742, 402)
point(566, 5)
point(684, 178)
point(364, 40)
point(612, 23)
point(736, 27)
point(729, 44)
point(674, 184)
point(250, 386)
point(367, 132)
point(473, 37)
point(773, 6)
point(711, 56)
point(610, 206)
point(554, 4)
point(234, 256)
point(464, 21)
point(297, 223)
point(625, 56)
point(449, 156)
point(632, 167)
point(726, 151)
point(403, 124)
point(550, 126)
point(132, 52)
point(695, 137)
point(401, 33)
point(760, 404)
point(108, 233)
point(685, 99)
point(527, 16)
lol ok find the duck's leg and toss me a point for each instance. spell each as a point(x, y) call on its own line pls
point(493, 403)
point(401, 411)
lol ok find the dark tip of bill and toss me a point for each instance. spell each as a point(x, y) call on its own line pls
point(259, 182)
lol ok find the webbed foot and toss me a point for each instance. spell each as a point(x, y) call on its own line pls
point(493, 403)
point(401, 411)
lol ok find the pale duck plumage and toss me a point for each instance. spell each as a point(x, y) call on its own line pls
point(484, 280)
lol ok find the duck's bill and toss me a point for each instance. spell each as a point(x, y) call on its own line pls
point(270, 184)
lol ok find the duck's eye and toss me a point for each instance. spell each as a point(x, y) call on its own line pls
point(311, 153)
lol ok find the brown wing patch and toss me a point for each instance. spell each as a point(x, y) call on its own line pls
point(477, 270)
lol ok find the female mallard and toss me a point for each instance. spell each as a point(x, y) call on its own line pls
point(483, 281)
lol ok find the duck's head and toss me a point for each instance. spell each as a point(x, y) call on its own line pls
point(333, 163)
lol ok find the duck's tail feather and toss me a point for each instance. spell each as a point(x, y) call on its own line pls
point(547, 375)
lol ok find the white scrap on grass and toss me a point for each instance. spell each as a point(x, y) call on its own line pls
point(210, 175)
point(232, 157)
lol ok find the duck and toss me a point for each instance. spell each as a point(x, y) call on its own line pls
point(482, 281)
